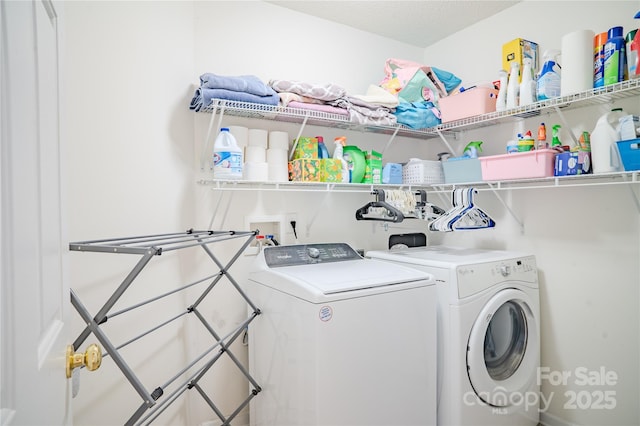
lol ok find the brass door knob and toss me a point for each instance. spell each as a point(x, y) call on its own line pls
point(91, 358)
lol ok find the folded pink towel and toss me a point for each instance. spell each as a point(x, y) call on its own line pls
point(318, 107)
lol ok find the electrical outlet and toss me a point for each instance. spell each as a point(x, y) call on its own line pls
point(289, 235)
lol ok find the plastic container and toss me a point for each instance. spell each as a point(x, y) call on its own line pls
point(501, 101)
point(338, 154)
point(227, 156)
point(520, 165)
point(548, 85)
point(527, 85)
point(513, 86)
point(422, 172)
point(598, 59)
point(323, 152)
point(615, 64)
point(462, 170)
point(603, 138)
point(630, 154)
point(471, 102)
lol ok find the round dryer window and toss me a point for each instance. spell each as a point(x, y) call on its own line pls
point(503, 349)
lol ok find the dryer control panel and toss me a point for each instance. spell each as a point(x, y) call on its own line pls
point(305, 254)
point(480, 276)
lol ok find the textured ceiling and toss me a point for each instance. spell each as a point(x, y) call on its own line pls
point(419, 23)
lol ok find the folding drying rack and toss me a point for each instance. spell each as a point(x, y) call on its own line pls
point(148, 247)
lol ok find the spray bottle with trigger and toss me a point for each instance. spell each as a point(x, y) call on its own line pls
point(338, 154)
point(472, 149)
point(555, 141)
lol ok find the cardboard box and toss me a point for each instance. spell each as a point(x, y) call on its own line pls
point(519, 165)
point(572, 163)
point(330, 170)
point(471, 102)
point(304, 170)
point(306, 148)
point(373, 167)
point(517, 50)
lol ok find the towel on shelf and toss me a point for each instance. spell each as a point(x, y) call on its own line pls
point(318, 107)
point(243, 83)
point(362, 113)
point(376, 95)
point(203, 97)
point(287, 97)
point(323, 92)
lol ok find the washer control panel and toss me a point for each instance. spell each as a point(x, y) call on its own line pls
point(477, 277)
point(305, 254)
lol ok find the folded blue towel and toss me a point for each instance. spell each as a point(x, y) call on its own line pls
point(203, 97)
point(243, 83)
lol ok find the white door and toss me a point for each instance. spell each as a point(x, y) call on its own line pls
point(34, 293)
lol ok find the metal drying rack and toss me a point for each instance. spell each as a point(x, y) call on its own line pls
point(154, 245)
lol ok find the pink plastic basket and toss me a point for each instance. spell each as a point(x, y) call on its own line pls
point(519, 165)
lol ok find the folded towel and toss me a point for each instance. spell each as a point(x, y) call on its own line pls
point(378, 96)
point(244, 83)
point(203, 97)
point(318, 107)
point(286, 97)
point(324, 92)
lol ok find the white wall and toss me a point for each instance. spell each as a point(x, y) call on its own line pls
point(131, 68)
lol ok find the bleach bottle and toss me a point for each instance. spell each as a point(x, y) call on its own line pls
point(227, 156)
point(604, 155)
point(548, 85)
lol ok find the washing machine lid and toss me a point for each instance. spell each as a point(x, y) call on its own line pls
point(442, 256)
point(314, 271)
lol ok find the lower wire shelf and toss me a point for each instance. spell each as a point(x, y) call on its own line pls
point(156, 401)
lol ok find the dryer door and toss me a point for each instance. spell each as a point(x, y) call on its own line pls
point(503, 349)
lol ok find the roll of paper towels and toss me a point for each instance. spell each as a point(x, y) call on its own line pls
point(241, 134)
point(279, 140)
point(258, 172)
point(255, 154)
point(577, 62)
point(258, 137)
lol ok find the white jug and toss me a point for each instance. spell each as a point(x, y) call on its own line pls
point(604, 152)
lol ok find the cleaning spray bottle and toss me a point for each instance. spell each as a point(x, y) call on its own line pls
point(542, 137)
point(472, 149)
point(549, 78)
point(338, 154)
point(501, 101)
point(527, 85)
point(513, 87)
point(555, 140)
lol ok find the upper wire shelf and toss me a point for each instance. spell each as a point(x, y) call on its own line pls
point(597, 96)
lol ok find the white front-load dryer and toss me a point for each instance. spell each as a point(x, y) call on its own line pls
point(488, 333)
point(341, 340)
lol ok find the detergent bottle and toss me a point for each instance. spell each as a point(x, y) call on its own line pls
point(513, 87)
point(227, 156)
point(338, 154)
point(542, 136)
point(555, 139)
point(604, 157)
point(548, 85)
point(322, 148)
point(528, 85)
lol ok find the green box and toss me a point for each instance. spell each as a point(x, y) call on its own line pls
point(330, 170)
point(306, 148)
point(373, 167)
point(304, 170)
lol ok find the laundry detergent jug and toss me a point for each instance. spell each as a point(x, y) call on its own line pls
point(604, 154)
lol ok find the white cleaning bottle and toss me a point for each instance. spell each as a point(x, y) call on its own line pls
point(604, 155)
point(501, 101)
point(548, 85)
point(227, 156)
point(513, 87)
point(338, 154)
point(527, 85)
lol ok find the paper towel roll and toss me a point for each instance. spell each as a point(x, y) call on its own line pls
point(255, 154)
point(258, 137)
point(577, 62)
point(279, 140)
point(258, 172)
point(241, 134)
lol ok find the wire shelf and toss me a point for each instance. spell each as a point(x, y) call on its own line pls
point(597, 96)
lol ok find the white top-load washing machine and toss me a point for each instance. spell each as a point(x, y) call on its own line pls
point(341, 340)
point(488, 332)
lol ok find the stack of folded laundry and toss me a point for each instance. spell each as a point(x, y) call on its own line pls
point(245, 88)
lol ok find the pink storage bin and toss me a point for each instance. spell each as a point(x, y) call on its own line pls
point(476, 101)
point(519, 165)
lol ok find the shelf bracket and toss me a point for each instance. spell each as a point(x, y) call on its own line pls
point(446, 142)
point(295, 141)
point(506, 206)
point(395, 132)
point(566, 125)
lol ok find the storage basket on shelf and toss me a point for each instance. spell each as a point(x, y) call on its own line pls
point(519, 165)
point(422, 172)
